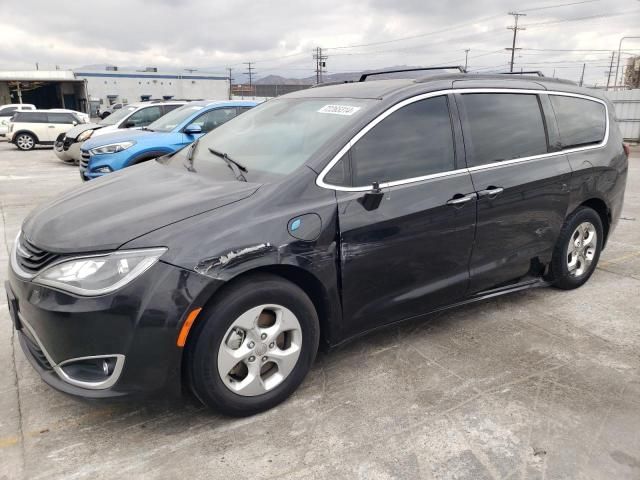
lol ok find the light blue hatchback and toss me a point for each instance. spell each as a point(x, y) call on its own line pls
point(178, 128)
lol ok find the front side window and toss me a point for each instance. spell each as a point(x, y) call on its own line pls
point(414, 141)
point(60, 118)
point(144, 117)
point(580, 121)
point(173, 119)
point(116, 117)
point(503, 126)
point(214, 118)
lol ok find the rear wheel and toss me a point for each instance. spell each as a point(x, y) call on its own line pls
point(578, 249)
point(25, 141)
point(253, 347)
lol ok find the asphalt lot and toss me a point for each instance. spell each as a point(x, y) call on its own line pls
point(537, 384)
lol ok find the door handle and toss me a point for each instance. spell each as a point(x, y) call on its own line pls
point(490, 192)
point(52, 126)
point(461, 200)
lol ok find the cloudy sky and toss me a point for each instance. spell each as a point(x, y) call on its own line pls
point(279, 36)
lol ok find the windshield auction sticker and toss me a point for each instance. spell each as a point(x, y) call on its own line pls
point(339, 109)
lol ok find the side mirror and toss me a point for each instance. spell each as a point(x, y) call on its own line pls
point(372, 198)
point(193, 129)
point(74, 123)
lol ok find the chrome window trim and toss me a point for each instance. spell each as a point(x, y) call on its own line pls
point(320, 178)
point(57, 367)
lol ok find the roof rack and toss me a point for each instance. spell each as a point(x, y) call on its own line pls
point(526, 72)
point(364, 76)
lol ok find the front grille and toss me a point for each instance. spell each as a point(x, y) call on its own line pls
point(31, 258)
point(37, 353)
point(84, 161)
point(67, 143)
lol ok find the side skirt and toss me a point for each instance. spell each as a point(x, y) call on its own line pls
point(484, 295)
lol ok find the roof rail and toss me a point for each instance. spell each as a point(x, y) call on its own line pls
point(526, 72)
point(364, 76)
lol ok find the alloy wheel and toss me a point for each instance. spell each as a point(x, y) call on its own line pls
point(259, 350)
point(25, 142)
point(582, 249)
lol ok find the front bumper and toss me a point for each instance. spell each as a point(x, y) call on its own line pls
point(69, 152)
point(89, 163)
point(136, 326)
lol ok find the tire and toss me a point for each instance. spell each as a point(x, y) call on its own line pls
point(279, 362)
point(25, 141)
point(571, 269)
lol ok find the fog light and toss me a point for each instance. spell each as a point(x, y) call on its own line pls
point(90, 369)
point(104, 169)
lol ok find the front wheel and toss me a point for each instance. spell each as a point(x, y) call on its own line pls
point(253, 346)
point(578, 249)
point(25, 141)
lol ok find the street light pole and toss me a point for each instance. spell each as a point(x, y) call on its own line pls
point(615, 82)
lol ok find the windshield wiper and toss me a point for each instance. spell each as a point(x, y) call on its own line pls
point(190, 153)
point(235, 166)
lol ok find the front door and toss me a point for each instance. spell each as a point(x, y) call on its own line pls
point(521, 183)
point(409, 253)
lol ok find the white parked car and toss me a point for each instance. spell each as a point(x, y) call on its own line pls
point(7, 111)
point(39, 127)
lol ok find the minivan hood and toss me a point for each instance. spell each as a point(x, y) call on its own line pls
point(106, 213)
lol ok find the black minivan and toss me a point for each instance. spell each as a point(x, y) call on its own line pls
point(315, 217)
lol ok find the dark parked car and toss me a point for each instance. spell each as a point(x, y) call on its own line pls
point(311, 219)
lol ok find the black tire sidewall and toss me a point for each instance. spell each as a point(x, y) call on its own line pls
point(212, 325)
point(561, 275)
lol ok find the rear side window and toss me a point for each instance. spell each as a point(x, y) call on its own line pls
point(414, 141)
point(30, 117)
point(503, 126)
point(214, 118)
point(580, 121)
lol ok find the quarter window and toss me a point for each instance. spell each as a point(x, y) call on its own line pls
point(503, 126)
point(580, 121)
point(414, 141)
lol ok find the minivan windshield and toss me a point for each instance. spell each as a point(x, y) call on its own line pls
point(118, 115)
point(174, 118)
point(271, 140)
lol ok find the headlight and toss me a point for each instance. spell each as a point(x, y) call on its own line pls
point(84, 135)
point(111, 148)
point(100, 274)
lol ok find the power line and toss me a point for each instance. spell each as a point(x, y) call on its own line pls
point(557, 6)
point(515, 29)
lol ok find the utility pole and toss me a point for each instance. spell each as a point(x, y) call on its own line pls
point(250, 72)
point(230, 83)
point(515, 29)
point(610, 71)
point(582, 76)
point(320, 63)
point(466, 58)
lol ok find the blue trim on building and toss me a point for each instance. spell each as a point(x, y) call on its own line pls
point(154, 75)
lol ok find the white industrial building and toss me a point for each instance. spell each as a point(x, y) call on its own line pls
point(87, 90)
